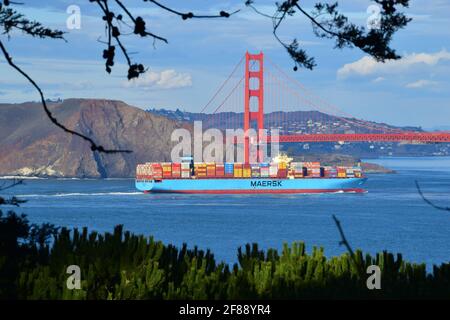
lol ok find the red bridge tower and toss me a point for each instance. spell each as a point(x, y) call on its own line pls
point(255, 89)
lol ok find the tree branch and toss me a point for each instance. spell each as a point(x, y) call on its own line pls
point(135, 22)
point(12, 201)
point(190, 15)
point(11, 19)
point(419, 190)
point(345, 243)
point(14, 183)
point(375, 42)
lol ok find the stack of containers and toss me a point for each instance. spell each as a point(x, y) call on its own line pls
point(330, 172)
point(166, 169)
point(200, 170)
point(357, 171)
point(148, 171)
point(157, 171)
point(315, 172)
point(322, 172)
point(211, 169)
point(247, 171)
point(255, 170)
point(220, 170)
point(229, 169)
point(185, 170)
point(264, 170)
point(176, 170)
point(273, 170)
point(238, 168)
point(313, 169)
point(140, 171)
point(144, 171)
point(297, 169)
point(341, 172)
point(282, 170)
point(350, 173)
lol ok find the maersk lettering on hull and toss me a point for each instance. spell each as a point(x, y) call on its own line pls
point(252, 186)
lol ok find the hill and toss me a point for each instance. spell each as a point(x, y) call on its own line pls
point(289, 122)
point(31, 145)
point(312, 122)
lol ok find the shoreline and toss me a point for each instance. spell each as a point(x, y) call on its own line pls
point(368, 167)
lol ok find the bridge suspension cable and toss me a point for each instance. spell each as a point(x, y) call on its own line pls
point(285, 95)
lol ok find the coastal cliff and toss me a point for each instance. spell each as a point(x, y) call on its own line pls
point(30, 145)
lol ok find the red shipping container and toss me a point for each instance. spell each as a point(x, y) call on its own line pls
point(176, 166)
point(282, 173)
point(220, 171)
point(176, 174)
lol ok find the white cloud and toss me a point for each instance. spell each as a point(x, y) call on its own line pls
point(367, 65)
point(166, 79)
point(420, 84)
point(379, 79)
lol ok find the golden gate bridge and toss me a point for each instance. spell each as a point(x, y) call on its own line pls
point(262, 96)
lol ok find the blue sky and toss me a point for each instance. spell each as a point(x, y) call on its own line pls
point(201, 54)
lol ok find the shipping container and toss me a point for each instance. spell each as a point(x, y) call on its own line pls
point(185, 173)
point(264, 172)
point(246, 170)
point(282, 165)
point(311, 164)
point(322, 172)
point(282, 173)
point(220, 170)
point(273, 170)
point(296, 166)
point(229, 170)
point(211, 170)
point(185, 165)
point(256, 172)
point(237, 173)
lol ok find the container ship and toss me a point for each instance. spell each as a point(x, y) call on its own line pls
point(279, 176)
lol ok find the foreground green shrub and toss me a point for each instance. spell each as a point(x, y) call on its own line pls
point(121, 265)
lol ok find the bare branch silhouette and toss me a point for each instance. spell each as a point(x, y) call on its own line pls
point(13, 201)
point(11, 19)
point(94, 146)
point(14, 183)
point(113, 18)
point(190, 15)
point(375, 42)
point(419, 190)
point(345, 243)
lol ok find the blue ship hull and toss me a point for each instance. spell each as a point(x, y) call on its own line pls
point(249, 186)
